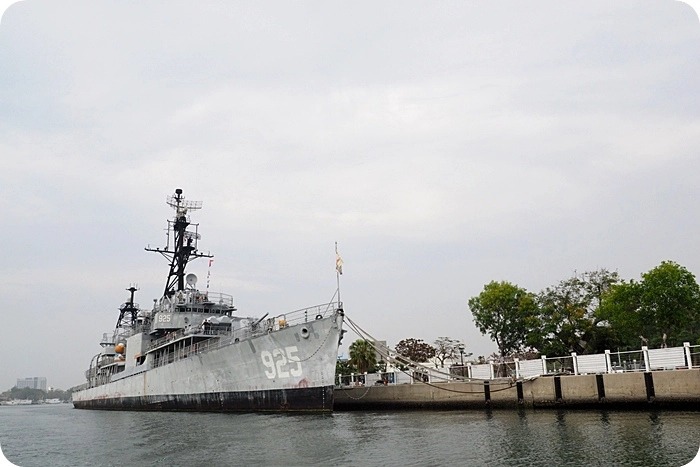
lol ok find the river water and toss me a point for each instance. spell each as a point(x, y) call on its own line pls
point(58, 435)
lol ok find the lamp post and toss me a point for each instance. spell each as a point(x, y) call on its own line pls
point(461, 357)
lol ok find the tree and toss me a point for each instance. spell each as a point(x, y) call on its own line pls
point(619, 311)
point(670, 299)
point(507, 313)
point(597, 283)
point(28, 393)
point(662, 309)
point(415, 350)
point(447, 348)
point(344, 367)
point(362, 356)
point(567, 313)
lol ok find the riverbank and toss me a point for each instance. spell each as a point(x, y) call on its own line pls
point(674, 389)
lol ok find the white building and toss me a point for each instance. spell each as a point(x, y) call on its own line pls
point(36, 382)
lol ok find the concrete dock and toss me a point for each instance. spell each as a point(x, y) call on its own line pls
point(673, 389)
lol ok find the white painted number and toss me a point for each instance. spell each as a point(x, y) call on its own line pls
point(164, 318)
point(294, 358)
point(269, 363)
point(281, 363)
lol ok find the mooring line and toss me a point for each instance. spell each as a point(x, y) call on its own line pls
point(368, 337)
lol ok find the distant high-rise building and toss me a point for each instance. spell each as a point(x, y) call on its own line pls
point(37, 382)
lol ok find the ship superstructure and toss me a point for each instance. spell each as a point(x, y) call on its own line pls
point(192, 352)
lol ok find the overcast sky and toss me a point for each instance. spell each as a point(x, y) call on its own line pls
point(443, 145)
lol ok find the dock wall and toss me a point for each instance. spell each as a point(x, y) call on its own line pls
point(676, 389)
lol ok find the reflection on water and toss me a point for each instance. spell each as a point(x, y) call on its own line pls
point(62, 436)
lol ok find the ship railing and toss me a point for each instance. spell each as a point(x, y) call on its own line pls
point(303, 315)
point(97, 379)
point(104, 361)
point(222, 338)
point(190, 297)
point(220, 298)
point(171, 336)
point(180, 333)
point(173, 355)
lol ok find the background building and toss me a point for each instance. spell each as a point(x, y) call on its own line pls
point(37, 382)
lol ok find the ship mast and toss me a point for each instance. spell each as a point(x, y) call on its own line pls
point(128, 311)
point(184, 242)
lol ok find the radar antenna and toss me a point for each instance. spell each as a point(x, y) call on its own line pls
point(184, 245)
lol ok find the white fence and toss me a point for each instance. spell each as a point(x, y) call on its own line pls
point(672, 358)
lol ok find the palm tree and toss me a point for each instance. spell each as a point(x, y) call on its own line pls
point(362, 355)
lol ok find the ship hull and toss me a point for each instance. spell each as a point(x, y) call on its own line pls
point(286, 370)
point(319, 399)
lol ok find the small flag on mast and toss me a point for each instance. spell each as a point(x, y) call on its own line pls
point(209, 273)
point(338, 260)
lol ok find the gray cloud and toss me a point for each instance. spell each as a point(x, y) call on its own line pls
point(442, 146)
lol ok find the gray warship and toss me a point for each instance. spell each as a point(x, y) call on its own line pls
point(192, 352)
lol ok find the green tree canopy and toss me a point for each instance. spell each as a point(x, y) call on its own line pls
point(344, 367)
point(670, 299)
point(592, 312)
point(619, 310)
point(362, 356)
point(662, 309)
point(567, 320)
point(507, 313)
